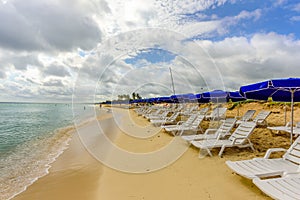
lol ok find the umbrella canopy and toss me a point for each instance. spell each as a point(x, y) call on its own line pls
point(164, 100)
point(235, 96)
point(201, 99)
point(283, 90)
point(180, 98)
point(215, 96)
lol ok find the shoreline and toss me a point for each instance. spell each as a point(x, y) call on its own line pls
point(55, 146)
point(76, 174)
point(60, 178)
point(72, 160)
point(51, 147)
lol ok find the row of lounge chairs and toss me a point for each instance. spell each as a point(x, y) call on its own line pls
point(278, 177)
point(211, 138)
point(213, 133)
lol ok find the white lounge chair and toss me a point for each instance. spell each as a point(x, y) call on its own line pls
point(142, 110)
point(189, 125)
point(191, 118)
point(283, 188)
point(160, 115)
point(219, 133)
point(247, 116)
point(189, 110)
point(154, 113)
point(286, 128)
point(266, 167)
point(239, 138)
point(260, 118)
point(194, 126)
point(166, 120)
point(147, 110)
point(216, 114)
point(203, 111)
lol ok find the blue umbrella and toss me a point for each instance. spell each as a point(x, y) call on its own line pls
point(215, 96)
point(235, 96)
point(192, 98)
point(201, 99)
point(282, 90)
point(165, 100)
point(220, 95)
point(182, 97)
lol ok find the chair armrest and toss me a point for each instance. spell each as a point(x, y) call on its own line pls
point(210, 130)
point(240, 138)
point(180, 122)
point(287, 174)
point(270, 151)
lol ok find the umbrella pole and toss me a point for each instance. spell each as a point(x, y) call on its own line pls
point(292, 115)
point(284, 113)
point(238, 110)
point(218, 107)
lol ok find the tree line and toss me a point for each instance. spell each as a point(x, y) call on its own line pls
point(133, 96)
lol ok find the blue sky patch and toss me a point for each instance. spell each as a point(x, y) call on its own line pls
point(282, 19)
point(151, 55)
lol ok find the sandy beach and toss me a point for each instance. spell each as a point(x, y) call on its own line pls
point(78, 173)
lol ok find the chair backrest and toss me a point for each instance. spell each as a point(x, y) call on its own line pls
point(179, 107)
point(225, 128)
point(197, 121)
point(203, 111)
point(165, 113)
point(248, 115)
point(191, 119)
point(214, 112)
point(189, 110)
point(293, 153)
point(149, 110)
point(173, 116)
point(242, 132)
point(222, 111)
point(261, 116)
point(218, 112)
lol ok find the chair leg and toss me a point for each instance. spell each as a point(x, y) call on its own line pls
point(251, 146)
point(207, 151)
point(222, 150)
point(180, 134)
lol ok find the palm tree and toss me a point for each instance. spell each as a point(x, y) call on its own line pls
point(138, 96)
point(133, 96)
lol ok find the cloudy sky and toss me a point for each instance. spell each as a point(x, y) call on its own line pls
point(93, 50)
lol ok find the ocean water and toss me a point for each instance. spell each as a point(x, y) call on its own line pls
point(32, 136)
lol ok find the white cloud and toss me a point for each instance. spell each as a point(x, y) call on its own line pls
point(47, 25)
point(43, 62)
point(187, 7)
point(200, 66)
point(279, 2)
point(56, 69)
point(261, 57)
point(296, 7)
point(295, 18)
